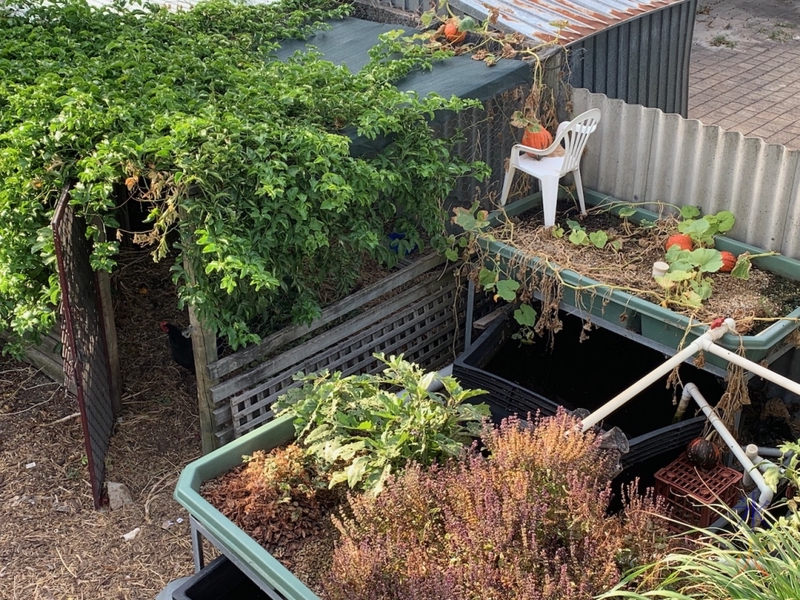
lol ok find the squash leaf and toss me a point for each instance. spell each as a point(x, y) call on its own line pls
point(507, 289)
point(525, 315)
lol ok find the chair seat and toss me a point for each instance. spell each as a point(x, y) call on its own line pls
point(550, 165)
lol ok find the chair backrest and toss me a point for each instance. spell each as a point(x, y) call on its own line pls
point(576, 133)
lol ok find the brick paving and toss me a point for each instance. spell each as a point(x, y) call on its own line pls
point(745, 68)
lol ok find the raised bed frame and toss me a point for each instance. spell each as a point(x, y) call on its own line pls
point(418, 311)
point(641, 320)
point(507, 397)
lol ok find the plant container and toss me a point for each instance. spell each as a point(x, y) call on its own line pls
point(691, 492)
point(576, 374)
point(219, 580)
point(651, 322)
point(266, 571)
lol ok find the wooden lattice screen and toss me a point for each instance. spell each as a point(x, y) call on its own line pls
point(418, 311)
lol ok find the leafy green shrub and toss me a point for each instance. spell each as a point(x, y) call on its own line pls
point(529, 521)
point(246, 156)
point(361, 431)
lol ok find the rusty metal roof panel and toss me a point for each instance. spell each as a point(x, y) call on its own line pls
point(542, 19)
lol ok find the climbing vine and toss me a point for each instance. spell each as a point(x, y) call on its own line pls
point(243, 162)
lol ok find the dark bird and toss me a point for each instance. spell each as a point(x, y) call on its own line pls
point(180, 344)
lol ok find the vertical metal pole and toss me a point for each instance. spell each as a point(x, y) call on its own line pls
point(197, 546)
point(469, 315)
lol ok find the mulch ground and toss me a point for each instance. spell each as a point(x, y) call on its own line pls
point(53, 544)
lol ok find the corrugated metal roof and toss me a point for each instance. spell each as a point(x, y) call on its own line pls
point(641, 154)
point(538, 19)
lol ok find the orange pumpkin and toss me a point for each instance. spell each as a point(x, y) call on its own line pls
point(536, 136)
point(683, 241)
point(452, 33)
point(728, 261)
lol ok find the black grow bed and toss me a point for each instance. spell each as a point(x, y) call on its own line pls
point(219, 580)
point(522, 379)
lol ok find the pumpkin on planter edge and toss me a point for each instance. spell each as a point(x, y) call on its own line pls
point(703, 453)
point(452, 32)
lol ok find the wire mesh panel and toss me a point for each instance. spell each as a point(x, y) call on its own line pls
point(86, 363)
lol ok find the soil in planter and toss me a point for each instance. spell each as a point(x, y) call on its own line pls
point(587, 374)
point(754, 303)
point(298, 531)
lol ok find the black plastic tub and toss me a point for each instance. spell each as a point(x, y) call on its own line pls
point(219, 580)
point(576, 373)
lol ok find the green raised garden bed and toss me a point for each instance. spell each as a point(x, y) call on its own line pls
point(640, 317)
point(268, 572)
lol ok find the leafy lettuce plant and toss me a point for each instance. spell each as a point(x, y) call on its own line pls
point(361, 431)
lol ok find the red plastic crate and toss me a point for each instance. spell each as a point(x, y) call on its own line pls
point(689, 491)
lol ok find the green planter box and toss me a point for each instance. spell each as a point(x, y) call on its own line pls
point(268, 572)
point(651, 321)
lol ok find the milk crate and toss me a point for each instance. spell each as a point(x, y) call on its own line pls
point(690, 491)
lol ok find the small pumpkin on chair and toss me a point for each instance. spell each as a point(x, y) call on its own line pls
point(535, 135)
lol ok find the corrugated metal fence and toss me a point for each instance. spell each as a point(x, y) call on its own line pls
point(642, 61)
point(642, 154)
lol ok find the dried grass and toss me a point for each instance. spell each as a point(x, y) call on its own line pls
point(750, 302)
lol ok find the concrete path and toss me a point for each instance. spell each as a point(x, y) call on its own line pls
point(745, 69)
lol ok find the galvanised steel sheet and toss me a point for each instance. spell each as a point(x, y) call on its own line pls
point(567, 20)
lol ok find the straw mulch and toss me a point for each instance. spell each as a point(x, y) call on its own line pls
point(754, 303)
point(53, 544)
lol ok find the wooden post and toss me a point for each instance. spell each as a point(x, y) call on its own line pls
point(204, 347)
point(103, 282)
point(112, 346)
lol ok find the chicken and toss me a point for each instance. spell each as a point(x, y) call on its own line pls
point(180, 344)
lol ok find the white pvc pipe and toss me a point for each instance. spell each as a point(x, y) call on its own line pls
point(436, 384)
point(765, 498)
point(624, 396)
point(755, 368)
point(752, 452)
point(765, 451)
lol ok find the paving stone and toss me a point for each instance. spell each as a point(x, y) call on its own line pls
point(753, 87)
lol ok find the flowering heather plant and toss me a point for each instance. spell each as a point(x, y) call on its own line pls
point(528, 521)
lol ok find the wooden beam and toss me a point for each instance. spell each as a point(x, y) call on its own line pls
point(204, 348)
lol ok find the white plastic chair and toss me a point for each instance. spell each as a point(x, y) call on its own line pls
point(549, 169)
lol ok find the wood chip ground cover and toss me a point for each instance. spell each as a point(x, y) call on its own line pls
point(53, 544)
point(755, 303)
